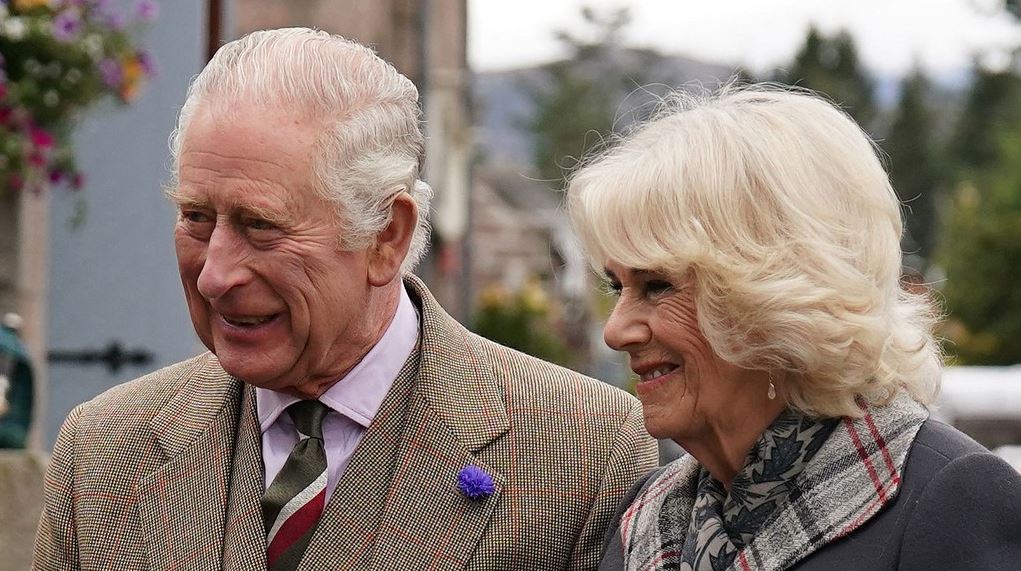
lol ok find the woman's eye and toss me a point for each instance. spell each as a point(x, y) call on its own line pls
point(654, 287)
point(613, 288)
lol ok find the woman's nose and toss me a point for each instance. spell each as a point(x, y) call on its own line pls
point(626, 327)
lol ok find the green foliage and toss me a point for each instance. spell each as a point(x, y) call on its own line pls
point(991, 104)
point(831, 66)
point(914, 167)
point(980, 246)
point(981, 255)
point(521, 320)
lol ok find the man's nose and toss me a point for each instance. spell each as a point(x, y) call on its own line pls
point(625, 327)
point(224, 267)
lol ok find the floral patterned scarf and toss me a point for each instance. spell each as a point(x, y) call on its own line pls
point(723, 522)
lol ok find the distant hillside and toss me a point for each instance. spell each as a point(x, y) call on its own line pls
point(502, 103)
point(503, 106)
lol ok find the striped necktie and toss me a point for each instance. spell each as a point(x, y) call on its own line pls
point(295, 500)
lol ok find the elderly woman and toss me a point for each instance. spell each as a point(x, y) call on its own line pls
point(752, 241)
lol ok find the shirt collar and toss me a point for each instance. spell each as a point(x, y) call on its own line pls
point(360, 393)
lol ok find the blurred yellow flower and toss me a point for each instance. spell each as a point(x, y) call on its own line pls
point(133, 74)
point(29, 4)
point(493, 296)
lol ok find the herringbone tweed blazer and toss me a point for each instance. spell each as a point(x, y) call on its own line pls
point(165, 472)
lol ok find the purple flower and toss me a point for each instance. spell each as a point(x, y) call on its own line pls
point(116, 21)
point(148, 64)
point(67, 25)
point(110, 70)
point(475, 482)
point(147, 10)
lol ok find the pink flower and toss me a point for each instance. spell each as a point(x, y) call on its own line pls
point(42, 139)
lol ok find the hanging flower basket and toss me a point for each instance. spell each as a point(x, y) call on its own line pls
point(58, 58)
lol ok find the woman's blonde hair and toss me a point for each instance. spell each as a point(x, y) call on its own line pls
point(775, 203)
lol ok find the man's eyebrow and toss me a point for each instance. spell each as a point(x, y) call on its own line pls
point(180, 199)
point(273, 215)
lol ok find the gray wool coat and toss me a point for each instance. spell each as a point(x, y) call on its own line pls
point(958, 507)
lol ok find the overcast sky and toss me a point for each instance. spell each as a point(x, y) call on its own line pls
point(943, 35)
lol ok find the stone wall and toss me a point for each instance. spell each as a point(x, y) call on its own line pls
point(21, 500)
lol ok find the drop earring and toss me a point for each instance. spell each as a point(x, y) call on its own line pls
point(771, 393)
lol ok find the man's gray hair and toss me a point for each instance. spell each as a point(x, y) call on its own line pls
point(371, 146)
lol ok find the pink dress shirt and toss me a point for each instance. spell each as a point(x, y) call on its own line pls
point(353, 401)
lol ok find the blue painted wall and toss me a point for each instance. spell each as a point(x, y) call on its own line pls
point(115, 277)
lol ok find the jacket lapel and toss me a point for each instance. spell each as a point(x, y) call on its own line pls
point(347, 530)
point(856, 472)
point(244, 533)
point(181, 504)
point(398, 501)
point(457, 409)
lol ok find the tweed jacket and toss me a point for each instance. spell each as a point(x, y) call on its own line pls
point(165, 472)
point(949, 504)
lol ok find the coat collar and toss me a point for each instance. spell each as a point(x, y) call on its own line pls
point(456, 370)
point(445, 407)
point(398, 500)
point(855, 473)
point(182, 504)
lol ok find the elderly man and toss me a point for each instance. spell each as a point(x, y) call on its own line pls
point(341, 419)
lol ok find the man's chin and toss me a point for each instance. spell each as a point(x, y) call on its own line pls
point(249, 373)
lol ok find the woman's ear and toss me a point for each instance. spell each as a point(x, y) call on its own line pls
point(393, 242)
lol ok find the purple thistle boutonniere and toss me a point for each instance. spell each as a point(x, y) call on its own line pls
point(475, 482)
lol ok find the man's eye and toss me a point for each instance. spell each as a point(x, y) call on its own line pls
point(195, 216)
point(259, 224)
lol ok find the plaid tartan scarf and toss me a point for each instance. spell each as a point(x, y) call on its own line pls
point(855, 472)
point(724, 521)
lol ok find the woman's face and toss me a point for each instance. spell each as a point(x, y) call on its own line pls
point(688, 393)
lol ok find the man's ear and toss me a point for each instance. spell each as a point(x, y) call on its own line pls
point(393, 242)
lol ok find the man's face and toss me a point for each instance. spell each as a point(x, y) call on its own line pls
point(269, 290)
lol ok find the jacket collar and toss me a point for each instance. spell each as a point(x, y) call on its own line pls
point(855, 473)
point(456, 369)
point(181, 504)
point(448, 407)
